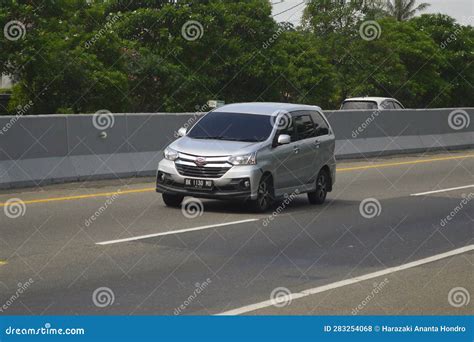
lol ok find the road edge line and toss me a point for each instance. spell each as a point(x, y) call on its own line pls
point(172, 232)
point(443, 190)
point(342, 283)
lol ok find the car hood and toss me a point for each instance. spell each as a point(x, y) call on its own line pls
point(214, 148)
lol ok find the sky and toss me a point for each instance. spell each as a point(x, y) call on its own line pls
point(461, 10)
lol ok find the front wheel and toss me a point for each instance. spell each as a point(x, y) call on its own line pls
point(264, 195)
point(322, 184)
point(172, 200)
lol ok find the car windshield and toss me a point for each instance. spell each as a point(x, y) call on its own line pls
point(359, 105)
point(233, 127)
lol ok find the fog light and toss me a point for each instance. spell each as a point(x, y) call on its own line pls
point(247, 184)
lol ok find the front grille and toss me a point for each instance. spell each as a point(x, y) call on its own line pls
point(214, 167)
point(198, 171)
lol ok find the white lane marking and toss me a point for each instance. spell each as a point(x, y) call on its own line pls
point(172, 232)
point(319, 289)
point(443, 190)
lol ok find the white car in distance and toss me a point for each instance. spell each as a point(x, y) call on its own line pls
point(368, 103)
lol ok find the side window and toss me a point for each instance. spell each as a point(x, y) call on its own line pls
point(397, 105)
point(320, 124)
point(372, 105)
point(304, 126)
point(286, 126)
point(387, 105)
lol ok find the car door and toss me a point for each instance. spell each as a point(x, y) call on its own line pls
point(324, 143)
point(284, 157)
point(307, 151)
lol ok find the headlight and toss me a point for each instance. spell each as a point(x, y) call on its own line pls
point(245, 159)
point(170, 154)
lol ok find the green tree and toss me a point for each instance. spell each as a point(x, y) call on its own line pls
point(327, 16)
point(455, 46)
point(303, 74)
point(401, 63)
point(172, 70)
point(54, 67)
point(165, 55)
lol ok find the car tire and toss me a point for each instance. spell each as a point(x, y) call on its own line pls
point(322, 184)
point(172, 200)
point(265, 196)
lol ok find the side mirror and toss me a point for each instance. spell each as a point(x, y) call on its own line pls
point(322, 131)
point(182, 132)
point(284, 139)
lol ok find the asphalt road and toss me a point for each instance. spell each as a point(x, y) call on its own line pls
point(51, 253)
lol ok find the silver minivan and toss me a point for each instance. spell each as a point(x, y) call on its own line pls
point(256, 152)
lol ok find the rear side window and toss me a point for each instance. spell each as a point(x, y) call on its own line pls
point(387, 105)
point(359, 105)
point(304, 127)
point(320, 124)
point(397, 105)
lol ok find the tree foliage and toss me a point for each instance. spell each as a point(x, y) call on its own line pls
point(169, 55)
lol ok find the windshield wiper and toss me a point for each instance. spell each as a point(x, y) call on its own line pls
point(212, 138)
point(208, 137)
point(225, 138)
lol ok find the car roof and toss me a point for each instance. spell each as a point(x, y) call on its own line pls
point(264, 108)
point(379, 100)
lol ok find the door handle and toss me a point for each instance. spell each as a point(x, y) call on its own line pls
point(296, 149)
point(317, 143)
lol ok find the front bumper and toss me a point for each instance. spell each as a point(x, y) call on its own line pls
point(229, 186)
point(214, 194)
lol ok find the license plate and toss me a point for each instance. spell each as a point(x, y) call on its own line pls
point(199, 184)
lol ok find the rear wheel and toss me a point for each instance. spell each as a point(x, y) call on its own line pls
point(322, 184)
point(264, 195)
point(172, 200)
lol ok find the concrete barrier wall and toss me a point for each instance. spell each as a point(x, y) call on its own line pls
point(38, 150)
